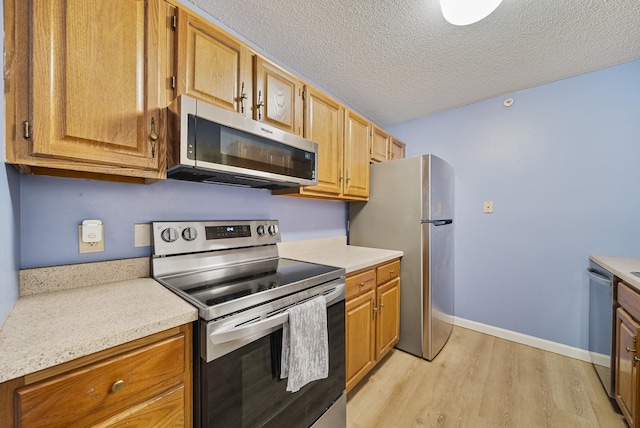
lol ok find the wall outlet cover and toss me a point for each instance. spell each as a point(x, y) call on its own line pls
point(86, 247)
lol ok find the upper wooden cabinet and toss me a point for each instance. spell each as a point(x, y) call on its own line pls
point(356, 156)
point(217, 68)
point(212, 65)
point(379, 145)
point(396, 149)
point(385, 147)
point(323, 124)
point(278, 96)
point(343, 149)
point(86, 86)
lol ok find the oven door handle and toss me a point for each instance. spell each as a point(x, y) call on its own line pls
point(240, 333)
point(248, 330)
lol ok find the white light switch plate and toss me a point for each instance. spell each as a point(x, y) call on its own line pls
point(142, 235)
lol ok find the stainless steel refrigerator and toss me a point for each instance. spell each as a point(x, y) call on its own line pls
point(410, 208)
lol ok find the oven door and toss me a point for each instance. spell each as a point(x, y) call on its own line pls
point(243, 388)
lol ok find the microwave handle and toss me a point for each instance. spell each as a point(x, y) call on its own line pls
point(240, 333)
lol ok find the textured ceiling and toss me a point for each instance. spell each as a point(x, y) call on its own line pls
point(396, 60)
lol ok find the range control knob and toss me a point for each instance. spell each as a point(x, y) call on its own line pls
point(169, 234)
point(273, 229)
point(190, 233)
point(261, 230)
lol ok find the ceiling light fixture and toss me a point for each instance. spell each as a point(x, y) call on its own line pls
point(465, 12)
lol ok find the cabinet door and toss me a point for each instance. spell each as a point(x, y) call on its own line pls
point(360, 337)
point(396, 150)
point(379, 145)
point(323, 125)
point(388, 324)
point(356, 155)
point(626, 367)
point(278, 96)
point(212, 66)
point(96, 84)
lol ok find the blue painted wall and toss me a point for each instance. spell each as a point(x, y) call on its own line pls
point(53, 207)
point(9, 230)
point(562, 165)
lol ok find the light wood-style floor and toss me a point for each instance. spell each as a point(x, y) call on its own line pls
point(481, 381)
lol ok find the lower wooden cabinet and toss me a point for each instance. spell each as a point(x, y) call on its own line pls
point(360, 337)
point(372, 318)
point(144, 383)
point(627, 353)
point(388, 325)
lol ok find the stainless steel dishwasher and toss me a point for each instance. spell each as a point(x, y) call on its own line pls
point(602, 313)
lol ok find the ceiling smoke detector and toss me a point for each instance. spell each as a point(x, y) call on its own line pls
point(465, 12)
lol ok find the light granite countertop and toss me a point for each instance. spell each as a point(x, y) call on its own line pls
point(52, 327)
point(620, 267)
point(334, 251)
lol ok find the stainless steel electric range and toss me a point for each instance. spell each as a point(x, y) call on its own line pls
point(230, 270)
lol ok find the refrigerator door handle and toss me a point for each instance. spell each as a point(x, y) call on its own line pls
point(437, 222)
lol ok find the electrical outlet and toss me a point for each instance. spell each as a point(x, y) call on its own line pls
point(488, 207)
point(90, 247)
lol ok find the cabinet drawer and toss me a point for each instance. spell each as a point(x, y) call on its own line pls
point(166, 410)
point(629, 299)
point(92, 393)
point(360, 283)
point(388, 272)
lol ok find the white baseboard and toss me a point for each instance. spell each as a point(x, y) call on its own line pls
point(547, 345)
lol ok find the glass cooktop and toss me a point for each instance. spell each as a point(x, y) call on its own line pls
point(245, 285)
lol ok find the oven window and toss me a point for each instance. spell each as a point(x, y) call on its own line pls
point(227, 146)
point(244, 389)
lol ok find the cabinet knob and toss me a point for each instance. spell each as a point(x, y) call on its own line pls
point(117, 385)
point(630, 350)
point(153, 135)
point(361, 284)
point(392, 271)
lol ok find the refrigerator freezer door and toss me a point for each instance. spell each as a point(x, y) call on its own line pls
point(437, 189)
point(438, 286)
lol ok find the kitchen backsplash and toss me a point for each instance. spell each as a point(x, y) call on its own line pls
point(52, 208)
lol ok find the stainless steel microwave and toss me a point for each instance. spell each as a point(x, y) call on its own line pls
point(213, 145)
